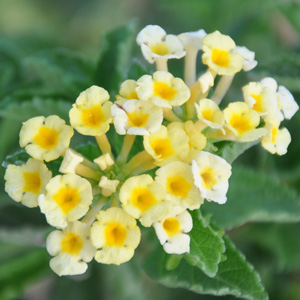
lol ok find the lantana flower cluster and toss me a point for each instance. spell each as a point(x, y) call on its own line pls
point(97, 207)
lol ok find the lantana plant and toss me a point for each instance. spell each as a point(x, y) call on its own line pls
point(100, 208)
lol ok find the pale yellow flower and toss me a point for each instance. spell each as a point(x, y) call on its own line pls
point(67, 199)
point(127, 91)
point(136, 117)
point(168, 144)
point(163, 89)
point(156, 44)
point(90, 115)
point(209, 113)
point(249, 62)
point(276, 141)
point(211, 174)
point(45, 138)
point(145, 199)
point(25, 183)
point(108, 186)
point(197, 140)
point(263, 100)
point(70, 162)
point(172, 233)
point(218, 54)
point(104, 161)
point(177, 179)
point(116, 234)
point(72, 249)
point(242, 121)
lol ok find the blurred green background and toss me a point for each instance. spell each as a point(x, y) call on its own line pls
point(49, 52)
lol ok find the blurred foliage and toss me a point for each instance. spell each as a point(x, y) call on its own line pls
point(51, 50)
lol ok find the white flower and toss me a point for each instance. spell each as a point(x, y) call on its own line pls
point(72, 249)
point(211, 174)
point(171, 233)
point(249, 62)
point(156, 44)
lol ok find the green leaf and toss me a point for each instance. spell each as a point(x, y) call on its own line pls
point(230, 151)
point(19, 158)
point(206, 246)
point(254, 196)
point(235, 277)
point(89, 150)
point(279, 240)
point(57, 73)
point(137, 70)
point(115, 56)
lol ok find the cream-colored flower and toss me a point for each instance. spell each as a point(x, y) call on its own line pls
point(192, 39)
point(168, 144)
point(163, 89)
point(145, 199)
point(218, 54)
point(211, 174)
point(108, 186)
point(127, 91)
point(206, 81)
point(104, 161)
point(242, 121)
point(263, 100)
point(136, 117)
point(72, 249)
point(177, 179)
point(70, 162)
point(67, 199)
point(25, 183)
point(209, 113)
point(156, 44)
point(276, 141)
point(116, 235)
point(249, 61)
point(172, 233)
point(287, 103)
point(45, 138)
point(197, 140)
point(90, 115)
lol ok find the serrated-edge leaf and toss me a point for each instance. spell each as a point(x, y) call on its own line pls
point(206, 246)
point(18, 158)
point(235, 277)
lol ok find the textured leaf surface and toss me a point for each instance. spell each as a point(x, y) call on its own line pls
point(115, 56)
point(235, 276)
point(206, 246)
point(254, 196)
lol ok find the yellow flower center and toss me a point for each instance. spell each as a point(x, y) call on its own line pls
point(137, 119)
point(162, 148)
point(46, 138)
point(67, 198)
point(92, 117)
point(132, 95)
point(240, 123)
point(207, 114)
point(115, 234)
point(258, 104)
point(164, 91)
point(178, 186)
point(32, 182)
point(274, 134)
point(160, 49)
point(220, 58)
point(143, 199)
point(171, 226)
point(71, 243)
point(209, 178)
